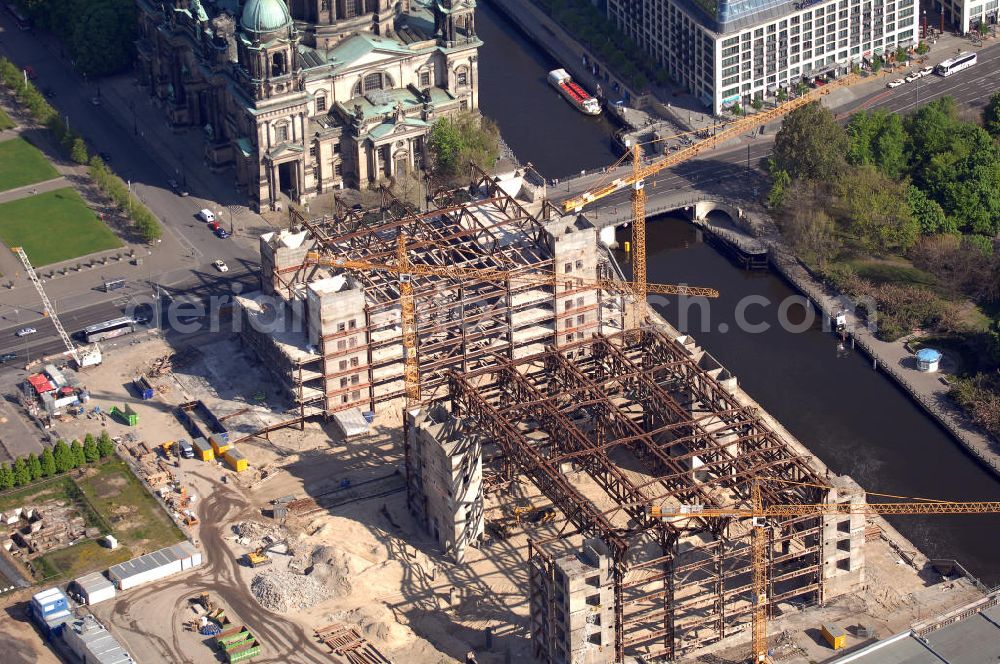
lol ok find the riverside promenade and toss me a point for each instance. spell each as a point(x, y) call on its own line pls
point(929, 390)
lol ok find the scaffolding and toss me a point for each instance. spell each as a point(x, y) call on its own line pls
point(638, 420)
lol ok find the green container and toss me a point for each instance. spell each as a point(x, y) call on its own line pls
point(229, 639)
point(252, 651)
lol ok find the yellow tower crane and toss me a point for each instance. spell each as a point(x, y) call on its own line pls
point(406, 270)
point(636, 180)
point(758, 513)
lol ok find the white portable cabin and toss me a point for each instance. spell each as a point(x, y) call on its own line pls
point(94, 588)
point(155, 566)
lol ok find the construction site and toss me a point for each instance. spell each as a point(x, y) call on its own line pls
point(459, 434)
point(533, 398)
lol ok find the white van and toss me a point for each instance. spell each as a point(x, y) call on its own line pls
point(187, 451)
point(206, 216)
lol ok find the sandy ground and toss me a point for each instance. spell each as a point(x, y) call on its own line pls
point(378, 570)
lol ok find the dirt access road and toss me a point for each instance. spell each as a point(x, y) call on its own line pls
point(150, 618)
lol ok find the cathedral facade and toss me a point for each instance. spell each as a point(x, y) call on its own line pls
point(303, 98)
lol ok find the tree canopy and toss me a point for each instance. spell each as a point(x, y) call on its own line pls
point(455, 141)
point(810, 144)
point(99, 34)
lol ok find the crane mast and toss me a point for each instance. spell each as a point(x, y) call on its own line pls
point(50, 312)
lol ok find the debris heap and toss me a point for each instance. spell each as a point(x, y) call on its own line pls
point(284, 591)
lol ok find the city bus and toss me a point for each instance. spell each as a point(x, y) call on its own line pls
point(958, 63)
point(109, 329)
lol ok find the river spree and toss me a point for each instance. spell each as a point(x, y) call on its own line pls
point(537, 123)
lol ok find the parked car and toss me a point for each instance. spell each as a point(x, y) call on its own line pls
point(221, 266)
point(214, 226)
point(222, 233)
point(206, 215)
point(895, 83)
point(105, 157)
point(96, 101)
point(25, 331)
point(7, 357)
point(912, 77)
point(926, 71)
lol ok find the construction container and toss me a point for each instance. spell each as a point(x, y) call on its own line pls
point(203, 449)
point(143, 387)
point(232, 637)
point(219, 445)
point(835, 636)
point(246, 650)
point(126, 416)
point(235, 459)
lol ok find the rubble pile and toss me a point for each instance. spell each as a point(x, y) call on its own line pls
point(254, 534)
point(285, 591)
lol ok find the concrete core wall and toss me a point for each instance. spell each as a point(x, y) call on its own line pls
point(445, 476)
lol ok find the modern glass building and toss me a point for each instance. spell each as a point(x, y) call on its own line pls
point(729, 51)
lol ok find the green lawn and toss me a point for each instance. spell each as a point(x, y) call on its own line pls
point(5, 121)
point(54, 226)
point(134, 516)
point(79, 559)
point(56, 488)
point(891, 270)
point(21, 163)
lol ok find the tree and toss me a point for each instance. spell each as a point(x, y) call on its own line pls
point(878, 138)
point(877, 63)
point(79, 458)
point(782, 95)
point(48, 463)
point(34, 466)
point(105, 445)
point(927, 212)
point(456, 141)
point(6, 476)
point(780, 180)
point(758, 102)
point(902, 55)
point(991, 115)
point(810, 231)
point(22, 475)
point(736, 109)
point(63, 456)
point(90, 450)
point(79, 151)
point(811, 144)
point(879, 215)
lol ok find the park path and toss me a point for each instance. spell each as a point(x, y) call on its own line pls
point(37, 188)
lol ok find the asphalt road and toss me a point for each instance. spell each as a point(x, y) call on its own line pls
point(197, 288)
point(724, 172)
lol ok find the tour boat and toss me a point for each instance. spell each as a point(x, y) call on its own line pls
point(576, 95)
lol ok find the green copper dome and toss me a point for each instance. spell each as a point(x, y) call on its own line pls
point(265, 16)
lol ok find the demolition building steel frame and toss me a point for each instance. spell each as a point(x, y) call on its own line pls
point(461, 325)
point(678, 584)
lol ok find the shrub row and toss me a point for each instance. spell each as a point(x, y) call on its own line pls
point(56, 460)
